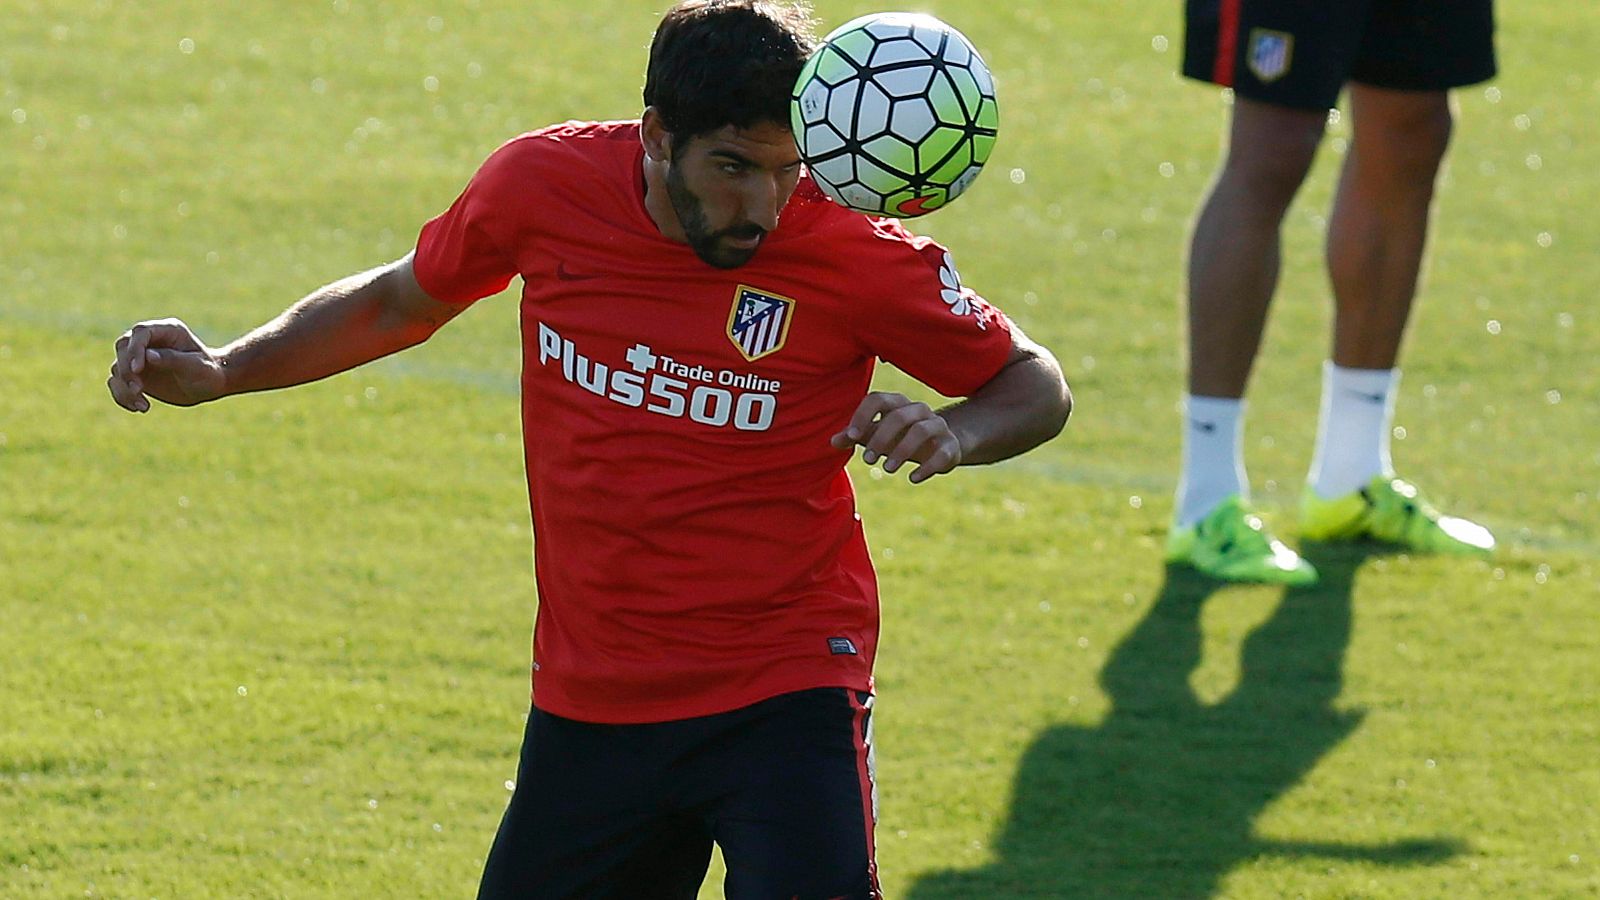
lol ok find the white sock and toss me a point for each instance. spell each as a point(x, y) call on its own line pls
point(1213, 456)
point(1353, 431)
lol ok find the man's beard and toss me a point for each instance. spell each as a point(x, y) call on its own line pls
point(706, 243)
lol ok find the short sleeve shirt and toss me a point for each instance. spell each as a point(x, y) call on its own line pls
point(696, 541)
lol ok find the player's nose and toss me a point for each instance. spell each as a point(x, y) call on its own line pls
point(763, 202)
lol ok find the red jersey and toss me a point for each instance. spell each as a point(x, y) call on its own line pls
point(696, 542)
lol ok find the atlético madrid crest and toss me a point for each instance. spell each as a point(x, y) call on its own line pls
point(1269, 53)
point(758, 324)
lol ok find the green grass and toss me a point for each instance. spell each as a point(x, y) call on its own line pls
point(278, 646)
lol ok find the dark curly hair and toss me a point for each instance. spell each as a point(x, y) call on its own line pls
point(715, 63)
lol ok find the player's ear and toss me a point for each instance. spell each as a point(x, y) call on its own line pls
point(654, 136)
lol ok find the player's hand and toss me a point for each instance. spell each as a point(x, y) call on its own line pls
point(163, 359)
point(896, 430)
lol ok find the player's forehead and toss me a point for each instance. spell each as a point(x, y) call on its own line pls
point(767, 144)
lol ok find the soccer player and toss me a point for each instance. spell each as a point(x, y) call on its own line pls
point(700, 327)
point(1286, 61)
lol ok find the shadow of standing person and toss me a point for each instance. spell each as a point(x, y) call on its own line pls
point(1160, 799)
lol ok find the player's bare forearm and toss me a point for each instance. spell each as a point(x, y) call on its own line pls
point(1025, 404)
point(353, 321)
point(338, 327)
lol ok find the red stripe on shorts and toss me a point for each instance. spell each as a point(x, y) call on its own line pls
point(868, 793)
point(1227, 43)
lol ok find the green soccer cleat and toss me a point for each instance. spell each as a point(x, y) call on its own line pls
point(1392, 511)
point(1232, 544)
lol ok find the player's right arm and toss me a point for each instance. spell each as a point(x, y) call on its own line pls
point(337, 327)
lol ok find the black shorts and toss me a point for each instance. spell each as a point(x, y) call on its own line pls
point(630, 812)
point(1300, 53)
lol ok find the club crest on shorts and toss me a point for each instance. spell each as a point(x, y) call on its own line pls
point(758, 324)
point(1269, 53)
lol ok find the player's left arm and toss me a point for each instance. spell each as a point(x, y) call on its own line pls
point(1025, 404)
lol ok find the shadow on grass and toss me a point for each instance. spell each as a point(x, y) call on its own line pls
point(1160, 799)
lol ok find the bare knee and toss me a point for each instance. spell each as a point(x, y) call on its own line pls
point(1423, 141)
point(1270, 150)
point(1402, 136)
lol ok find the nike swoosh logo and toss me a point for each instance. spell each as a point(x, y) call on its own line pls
point(1207, 427)
point(565, 274)
point(1370, 398)
point(915, 206)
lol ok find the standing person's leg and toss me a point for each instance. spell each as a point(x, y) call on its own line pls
point(1412, 52)
point(1233, 272)
point(1376, 237)
point(1286, 61)
point(1234, 257)
point(1379, 224)
point(1235, 247)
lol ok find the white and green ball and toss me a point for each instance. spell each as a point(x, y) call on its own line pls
point(895, 114)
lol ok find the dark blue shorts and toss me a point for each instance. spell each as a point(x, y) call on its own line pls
point(630, 812)
point(1300, 53)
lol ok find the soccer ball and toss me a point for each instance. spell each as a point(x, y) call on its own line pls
point(895, 114)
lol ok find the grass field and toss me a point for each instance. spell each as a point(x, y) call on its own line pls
point(278, 646)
